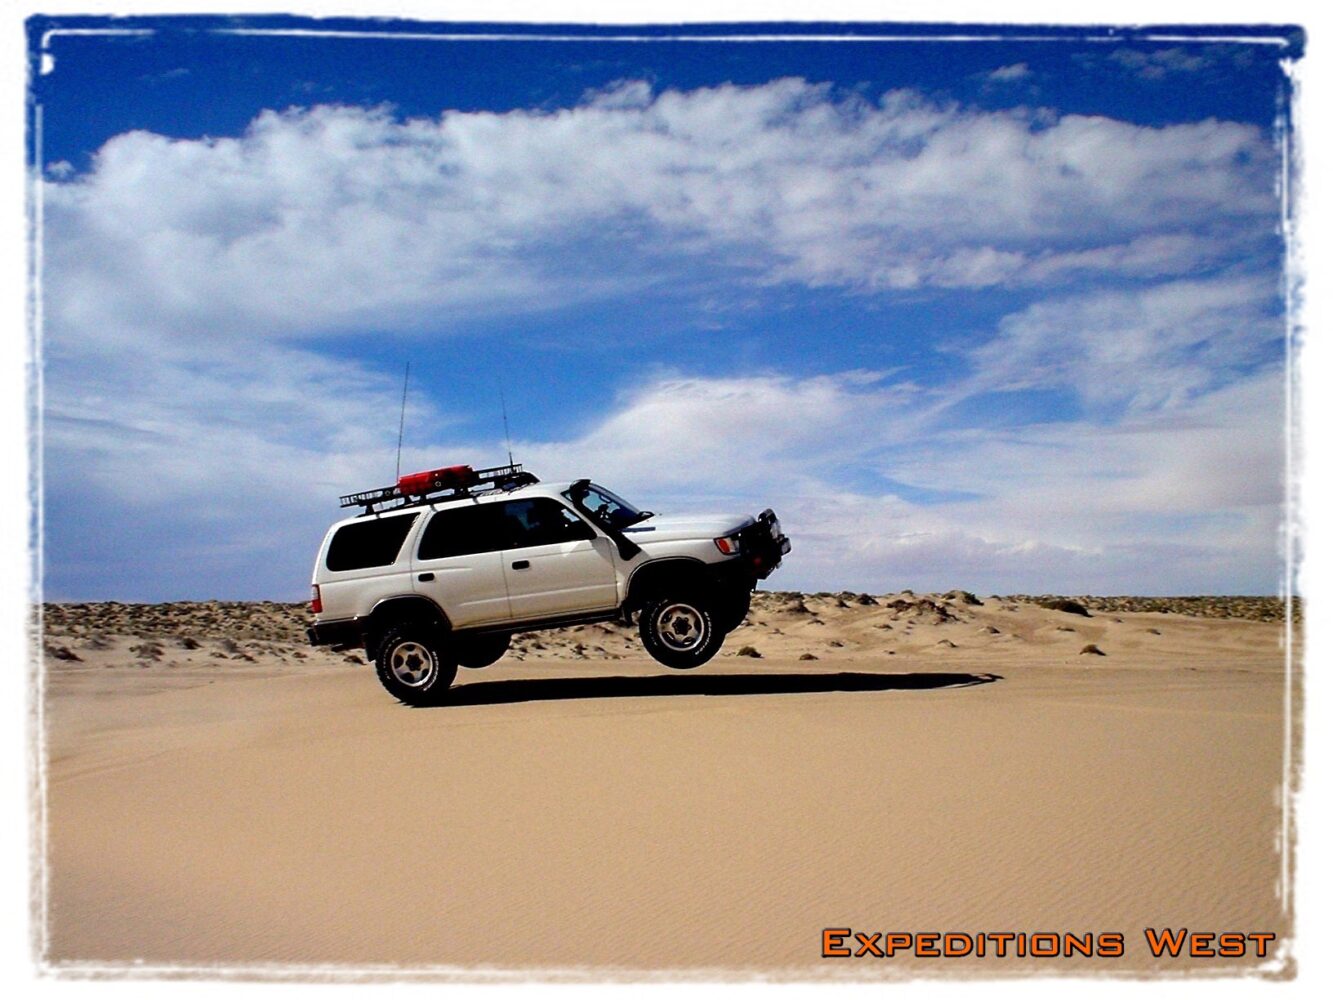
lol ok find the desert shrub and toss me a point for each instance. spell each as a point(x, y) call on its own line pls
point(963, 596)
point(1066, 605)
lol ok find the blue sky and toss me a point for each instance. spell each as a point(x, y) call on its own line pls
point(1004, 315)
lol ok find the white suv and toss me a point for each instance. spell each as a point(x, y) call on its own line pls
point(440, 569)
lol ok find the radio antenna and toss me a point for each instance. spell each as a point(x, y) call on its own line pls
point(504, 414)
point(402, 417)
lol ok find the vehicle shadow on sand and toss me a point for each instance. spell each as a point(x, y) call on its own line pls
point(571, 688)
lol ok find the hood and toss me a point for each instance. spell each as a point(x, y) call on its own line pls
point(673, 527)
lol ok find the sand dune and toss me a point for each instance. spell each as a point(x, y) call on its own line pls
point(217, 792)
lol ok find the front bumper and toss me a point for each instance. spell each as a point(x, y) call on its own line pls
point(763, 544)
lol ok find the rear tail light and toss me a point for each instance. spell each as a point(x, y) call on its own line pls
point(316, 605)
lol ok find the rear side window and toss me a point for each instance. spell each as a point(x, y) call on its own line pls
point(363, 544)
point(461, 531)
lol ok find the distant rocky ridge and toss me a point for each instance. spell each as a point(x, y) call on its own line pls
point(1260, 609)
point(822, 626)
point(254, 620)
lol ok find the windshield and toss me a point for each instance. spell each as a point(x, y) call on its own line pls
point(605, 506)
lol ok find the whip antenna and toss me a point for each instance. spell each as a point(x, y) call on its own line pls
point(504, 414)
point(402, 416)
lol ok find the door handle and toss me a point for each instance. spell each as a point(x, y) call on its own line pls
point(425, 577)
point(520, 564)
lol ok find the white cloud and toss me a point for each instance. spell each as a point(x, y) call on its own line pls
point(1155, 256)
point(736, 434)
point(339, 218)
point(1220, 455)
point(1146, 348)
point(1158, 63)
point(1006, 74)
point(1175, 61)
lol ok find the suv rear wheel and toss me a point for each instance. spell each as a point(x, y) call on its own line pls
point(414, 665)
point(680, 631)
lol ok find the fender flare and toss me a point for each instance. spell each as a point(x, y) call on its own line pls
point(643, 578)
point(401, 607)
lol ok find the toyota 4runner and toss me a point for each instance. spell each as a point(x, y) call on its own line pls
point(439, 570)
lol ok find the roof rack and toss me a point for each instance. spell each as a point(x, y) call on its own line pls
point(453, 483)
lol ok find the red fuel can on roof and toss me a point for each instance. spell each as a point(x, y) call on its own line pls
point(452, 477)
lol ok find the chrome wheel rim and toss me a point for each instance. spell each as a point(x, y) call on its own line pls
point(411, 663)
point(681, 627)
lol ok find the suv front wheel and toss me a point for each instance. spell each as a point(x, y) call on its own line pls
point(414, 665)
point(680, 631)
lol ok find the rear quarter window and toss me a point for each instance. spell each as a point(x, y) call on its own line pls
point(363, 544)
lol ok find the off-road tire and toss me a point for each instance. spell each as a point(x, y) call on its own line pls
point(415, 664)
point(481, 651)
point(680, 630)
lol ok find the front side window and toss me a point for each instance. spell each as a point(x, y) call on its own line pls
point(542, 521)
point(363, 544)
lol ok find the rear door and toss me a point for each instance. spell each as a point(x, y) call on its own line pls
point(459, 564)
point(555, 562)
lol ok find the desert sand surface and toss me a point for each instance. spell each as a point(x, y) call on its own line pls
point(219, 795)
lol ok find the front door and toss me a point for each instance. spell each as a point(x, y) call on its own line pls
point(555, 564)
